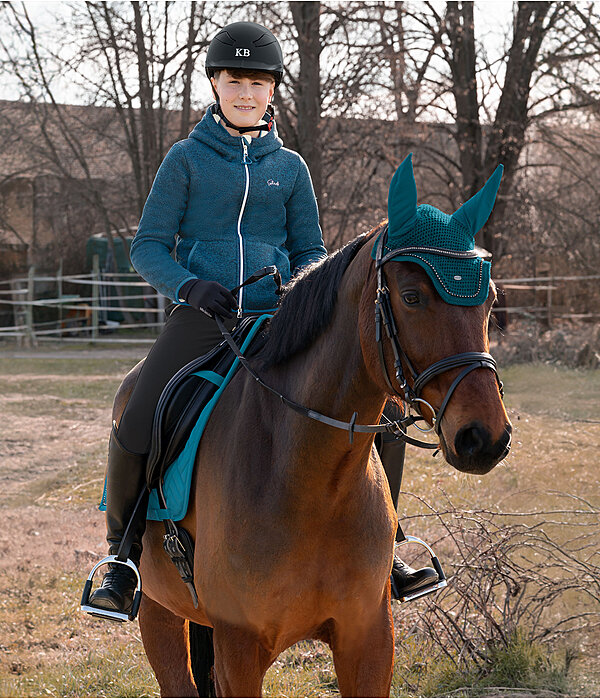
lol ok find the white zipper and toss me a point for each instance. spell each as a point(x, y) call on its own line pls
point(239, 225)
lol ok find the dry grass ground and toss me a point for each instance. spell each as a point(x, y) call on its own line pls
point(53, 438)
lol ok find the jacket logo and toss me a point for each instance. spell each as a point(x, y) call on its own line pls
point(273, 182)
point(242, 52)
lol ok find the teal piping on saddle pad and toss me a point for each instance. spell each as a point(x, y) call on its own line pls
point(178, 477)
point(210, 376)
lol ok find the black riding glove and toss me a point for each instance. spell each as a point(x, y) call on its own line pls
point(210, 297)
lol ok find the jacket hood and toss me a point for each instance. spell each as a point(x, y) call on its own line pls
point(215, 135)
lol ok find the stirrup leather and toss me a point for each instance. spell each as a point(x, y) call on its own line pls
point(112, 614)
point(429, 588)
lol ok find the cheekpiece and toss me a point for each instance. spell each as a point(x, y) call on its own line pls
point(461, 281)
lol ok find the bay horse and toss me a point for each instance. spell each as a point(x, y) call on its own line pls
point(293, 523)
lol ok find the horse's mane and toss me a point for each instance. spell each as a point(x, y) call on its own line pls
point(305, 308)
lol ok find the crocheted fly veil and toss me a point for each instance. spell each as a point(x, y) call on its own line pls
point(462, 281)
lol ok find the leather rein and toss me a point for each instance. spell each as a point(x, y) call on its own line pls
point(409, 394)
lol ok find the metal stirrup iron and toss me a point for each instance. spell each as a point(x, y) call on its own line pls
point(428, 588)
point(112, 614)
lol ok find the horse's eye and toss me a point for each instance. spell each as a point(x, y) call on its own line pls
point(410, 298)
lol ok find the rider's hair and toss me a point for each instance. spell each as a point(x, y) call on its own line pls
point(245, 73)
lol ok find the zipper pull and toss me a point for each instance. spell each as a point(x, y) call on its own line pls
point(245, 147)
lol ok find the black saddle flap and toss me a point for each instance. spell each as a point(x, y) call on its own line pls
point(182, 401)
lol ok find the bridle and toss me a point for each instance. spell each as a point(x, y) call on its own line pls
point(409, 394)
point(384, 314)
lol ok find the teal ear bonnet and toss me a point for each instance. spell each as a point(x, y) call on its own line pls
point(465, 282)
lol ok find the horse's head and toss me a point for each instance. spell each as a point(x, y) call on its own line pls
point(435, 288)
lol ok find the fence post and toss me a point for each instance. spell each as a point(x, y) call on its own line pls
point(59, 293)
point(160, 303)
point(549, 302)
point(95, 294)
point(30, 333)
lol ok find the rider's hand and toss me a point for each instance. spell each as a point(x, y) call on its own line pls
point(209, 297)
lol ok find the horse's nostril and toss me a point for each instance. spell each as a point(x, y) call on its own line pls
point(471, 440)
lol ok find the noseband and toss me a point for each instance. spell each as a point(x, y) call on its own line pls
point(384, 314)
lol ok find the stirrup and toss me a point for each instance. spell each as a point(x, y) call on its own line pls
point(429, 588)
point(112, 614)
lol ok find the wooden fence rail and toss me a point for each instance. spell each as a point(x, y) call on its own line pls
point(80, 318)
point(84, 319)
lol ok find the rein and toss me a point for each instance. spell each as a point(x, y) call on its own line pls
point(395, 427)
point(410, 395)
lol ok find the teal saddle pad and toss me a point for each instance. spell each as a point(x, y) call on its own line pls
point(178, 476)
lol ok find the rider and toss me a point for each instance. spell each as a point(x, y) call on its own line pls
point(229, 200)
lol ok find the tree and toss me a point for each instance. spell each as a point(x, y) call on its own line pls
point(131, 62)
point(307, 92)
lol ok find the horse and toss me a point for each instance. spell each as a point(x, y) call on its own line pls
point(293, 522)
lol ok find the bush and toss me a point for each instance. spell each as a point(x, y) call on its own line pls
point(522, 586)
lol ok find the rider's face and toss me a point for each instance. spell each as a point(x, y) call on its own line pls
point(244, 99)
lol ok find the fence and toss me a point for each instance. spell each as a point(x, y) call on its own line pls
point(81, 317)
point(555, 303)
point(85, 318)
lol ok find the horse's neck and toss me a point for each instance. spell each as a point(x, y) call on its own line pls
point(331, 378)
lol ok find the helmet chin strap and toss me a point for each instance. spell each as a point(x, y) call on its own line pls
point(269, 114)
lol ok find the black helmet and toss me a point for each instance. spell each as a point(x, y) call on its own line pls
point(245, 45)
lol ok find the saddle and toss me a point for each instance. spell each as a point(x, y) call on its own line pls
point(183, 400)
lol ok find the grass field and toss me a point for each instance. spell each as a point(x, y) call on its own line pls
point(53, 440)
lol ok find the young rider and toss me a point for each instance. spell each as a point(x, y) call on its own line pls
point(229, 200)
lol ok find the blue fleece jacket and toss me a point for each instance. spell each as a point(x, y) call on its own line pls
point(228, 208)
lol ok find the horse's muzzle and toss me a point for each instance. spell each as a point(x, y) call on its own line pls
point(474, 452)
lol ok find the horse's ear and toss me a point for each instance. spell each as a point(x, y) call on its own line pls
point(475, 212)
point(402, 198)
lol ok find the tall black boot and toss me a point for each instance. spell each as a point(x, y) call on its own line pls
point(391, 452)
point(404, 578)
point(126, 477)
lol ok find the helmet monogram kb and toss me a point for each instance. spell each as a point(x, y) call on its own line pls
point(248, 46)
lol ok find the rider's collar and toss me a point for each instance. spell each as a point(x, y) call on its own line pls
point(262, 127)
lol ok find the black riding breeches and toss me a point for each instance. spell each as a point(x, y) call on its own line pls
point(187, 334)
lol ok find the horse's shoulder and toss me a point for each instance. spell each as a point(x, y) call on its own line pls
point(124, 391)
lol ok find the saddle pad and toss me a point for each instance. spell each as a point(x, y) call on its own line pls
point(178, 474)
point(178, 477)
point(183, 399)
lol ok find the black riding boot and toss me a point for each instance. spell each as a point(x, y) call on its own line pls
point(126, 477)
point(405, 579)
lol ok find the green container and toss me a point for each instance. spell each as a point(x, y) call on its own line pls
point(98, 245)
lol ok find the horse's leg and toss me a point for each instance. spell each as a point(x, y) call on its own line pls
point(364, 654)
point(240, 662)
point(165, 638)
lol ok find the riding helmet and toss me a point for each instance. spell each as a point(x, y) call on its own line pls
point(245, 45)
